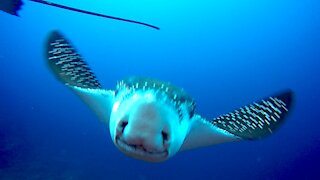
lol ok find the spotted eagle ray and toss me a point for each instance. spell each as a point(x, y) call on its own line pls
point(152, 120)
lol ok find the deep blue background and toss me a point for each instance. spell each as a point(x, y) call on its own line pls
point(224, 53)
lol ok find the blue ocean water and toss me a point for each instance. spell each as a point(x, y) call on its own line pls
point(225, 54)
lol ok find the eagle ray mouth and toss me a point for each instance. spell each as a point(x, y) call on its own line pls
point(139, 150)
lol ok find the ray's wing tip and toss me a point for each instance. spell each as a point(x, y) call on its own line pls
point(259, 119)
point(288, 97)
point(54, 34)
point(51, 39)
point(67, 64)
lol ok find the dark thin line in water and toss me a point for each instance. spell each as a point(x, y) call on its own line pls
point(92, 13)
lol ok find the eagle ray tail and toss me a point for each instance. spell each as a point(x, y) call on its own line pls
point(92, 13)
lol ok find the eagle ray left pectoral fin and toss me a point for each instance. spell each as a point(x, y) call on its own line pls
point(68, 66)
point(250, 122)
point(100, 101)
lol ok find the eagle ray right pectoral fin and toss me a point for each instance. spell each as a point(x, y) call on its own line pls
point(251, 122)
point(70, 69)
point(203, 133)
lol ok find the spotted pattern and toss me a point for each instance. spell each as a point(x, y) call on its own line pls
point(258, 119)
point(163, 90)
point(68, 65)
